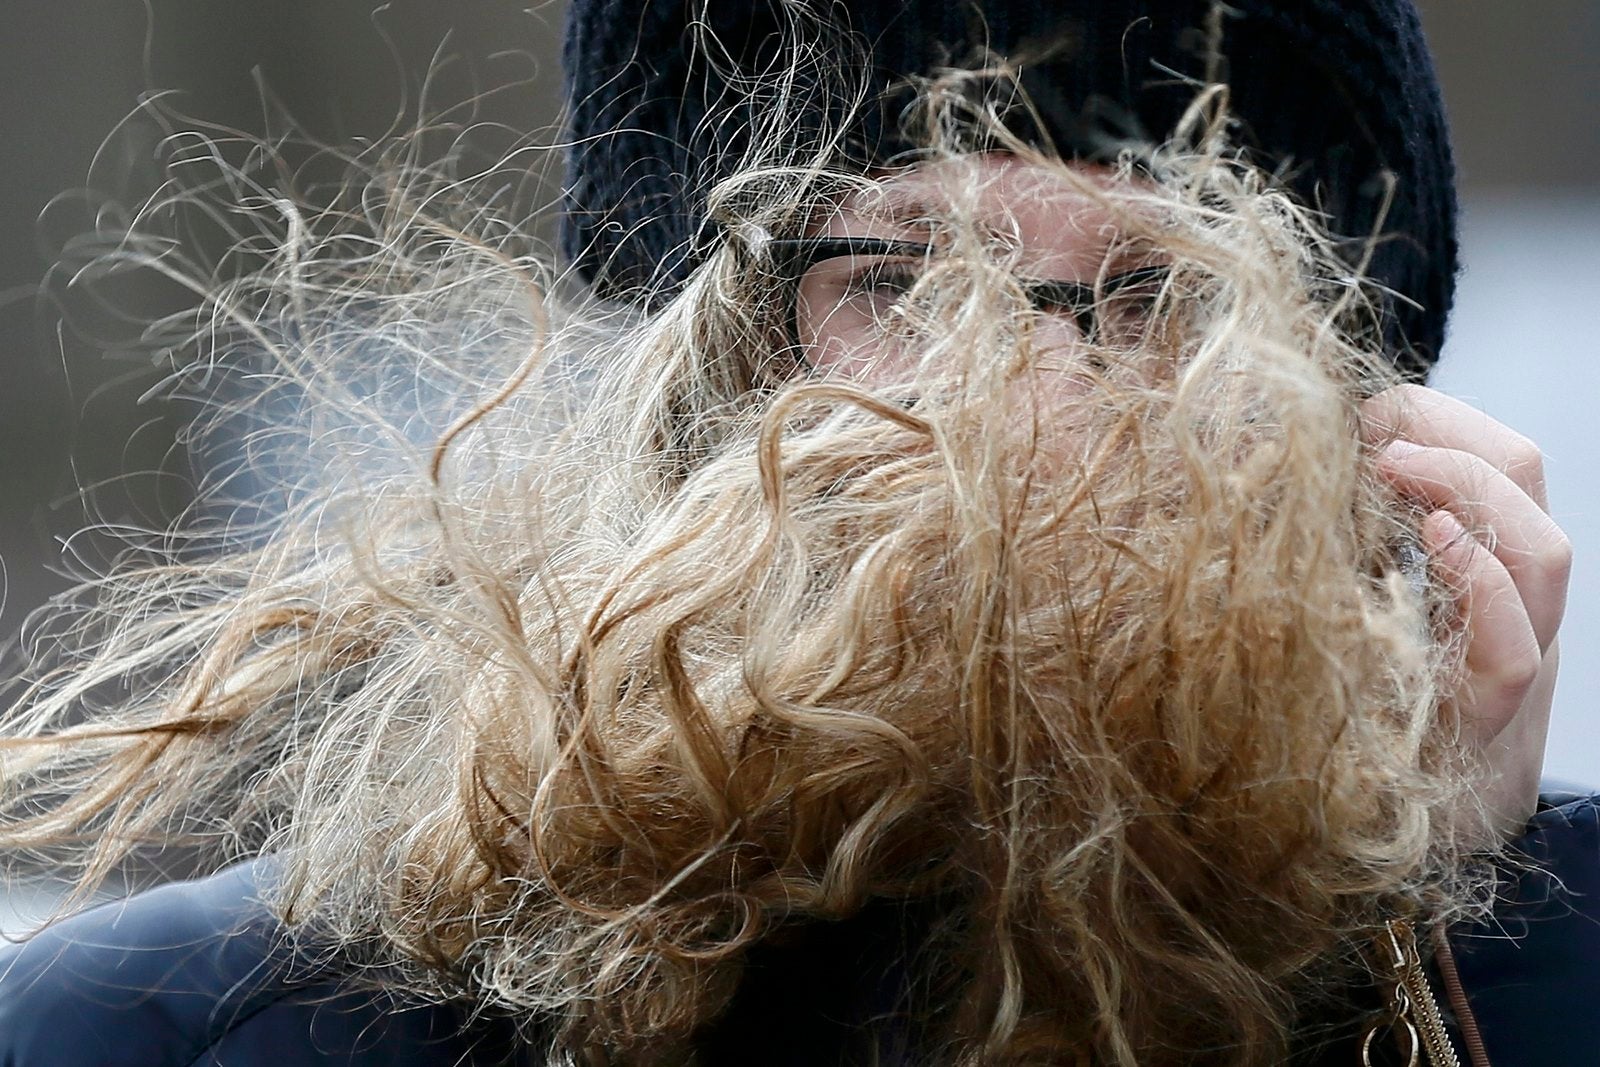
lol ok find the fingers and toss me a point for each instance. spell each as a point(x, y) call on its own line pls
point(1491, 541)
point(1532, 552)
point(1428, 417)
point(1504, 655)
point(1511, 793)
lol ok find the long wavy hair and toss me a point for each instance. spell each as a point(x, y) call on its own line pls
point(653, 646)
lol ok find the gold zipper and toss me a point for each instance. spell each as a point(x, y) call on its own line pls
point(1414, 1017)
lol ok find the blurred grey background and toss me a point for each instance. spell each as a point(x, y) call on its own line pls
point(1520, 80)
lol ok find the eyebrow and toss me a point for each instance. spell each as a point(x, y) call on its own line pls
point(904, 205)
point(897, 205)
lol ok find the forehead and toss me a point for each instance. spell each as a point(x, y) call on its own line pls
point(1060, 206)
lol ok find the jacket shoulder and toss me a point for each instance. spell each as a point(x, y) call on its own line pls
point(197, 973)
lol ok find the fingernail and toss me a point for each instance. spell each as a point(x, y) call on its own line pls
point(1402, 448)
point(1447, 529)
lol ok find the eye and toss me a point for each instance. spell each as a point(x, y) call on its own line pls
point(883, 281)
point(1131, 299)
point(1117, 306)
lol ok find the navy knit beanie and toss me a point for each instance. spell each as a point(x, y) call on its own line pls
point(1338, 96)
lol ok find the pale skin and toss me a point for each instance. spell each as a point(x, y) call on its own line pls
point(1512, 573)
point(1487, 528)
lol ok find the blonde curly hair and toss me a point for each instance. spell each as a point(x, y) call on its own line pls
point(660, 649)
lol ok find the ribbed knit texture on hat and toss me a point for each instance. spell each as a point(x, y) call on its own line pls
point(1335, 95)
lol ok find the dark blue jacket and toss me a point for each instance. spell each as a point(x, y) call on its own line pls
point(1533, 974)
point(195, 974)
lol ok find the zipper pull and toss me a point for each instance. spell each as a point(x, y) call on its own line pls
point(1414, 1017)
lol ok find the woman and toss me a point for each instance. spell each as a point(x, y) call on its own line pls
point(978, 594)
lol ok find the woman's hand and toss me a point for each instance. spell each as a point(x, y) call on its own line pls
point(1511, 572)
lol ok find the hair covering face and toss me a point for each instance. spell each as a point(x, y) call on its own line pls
point(1339, 97)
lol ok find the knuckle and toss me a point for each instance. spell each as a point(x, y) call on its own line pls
point(1558, 554)
point(1553, 558)
point(1523, 457)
